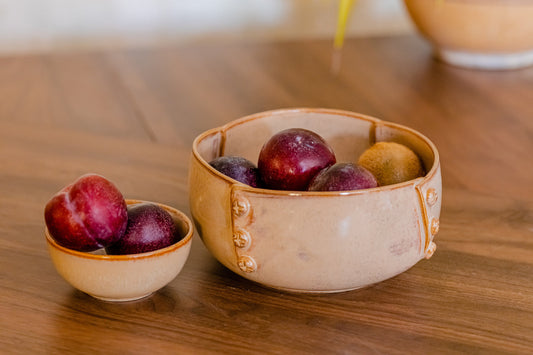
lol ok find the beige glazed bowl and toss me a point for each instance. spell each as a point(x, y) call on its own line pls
point(124, 277)
point(485, 34)
point(314, 241)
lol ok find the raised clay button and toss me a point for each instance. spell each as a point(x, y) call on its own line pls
point(431, 196)
point(435, 226)
point(241, 239)
point(240, 207)
point(430, 250)
point(247, 263)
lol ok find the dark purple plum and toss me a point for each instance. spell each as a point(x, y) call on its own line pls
point(86, 215)
point(292, 157)
point(237, 168)
point(343, 177)
point(149, 228)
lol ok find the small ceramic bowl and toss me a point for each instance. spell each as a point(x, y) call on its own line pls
point(485, 34)
point(124, 277)
point(314, 241)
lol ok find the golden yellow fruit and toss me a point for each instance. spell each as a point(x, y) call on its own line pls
point(391, 163)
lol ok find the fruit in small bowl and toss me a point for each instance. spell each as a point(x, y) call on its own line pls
point(131, 269)
point(315, 241)
point(149, 228)
point(88, 214)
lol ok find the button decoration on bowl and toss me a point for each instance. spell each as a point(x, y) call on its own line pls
point(434, 226)
point(430, 250)
point(247, 263)
point(240, 207)
point(431, 196)
point(241, 239)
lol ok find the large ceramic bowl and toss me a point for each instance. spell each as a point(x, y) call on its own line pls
point(314, 241)
point(487, 34)
point(124, 277)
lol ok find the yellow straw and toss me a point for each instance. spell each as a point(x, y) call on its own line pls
point(344, 10)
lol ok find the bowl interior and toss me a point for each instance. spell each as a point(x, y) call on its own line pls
point(348, 133)
point(184, 228)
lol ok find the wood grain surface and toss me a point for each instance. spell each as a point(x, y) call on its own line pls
point(132, 116)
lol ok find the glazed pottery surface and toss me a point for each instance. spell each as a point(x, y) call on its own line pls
point(314, 241)
point(124, 277)
point(486, 34)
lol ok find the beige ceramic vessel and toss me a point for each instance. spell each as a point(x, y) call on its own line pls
point(124, 277)
point(314, 241)
point(487, 34)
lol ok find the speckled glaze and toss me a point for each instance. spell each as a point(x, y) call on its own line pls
point(485, 34)
point(124, 277)
point(314, 241)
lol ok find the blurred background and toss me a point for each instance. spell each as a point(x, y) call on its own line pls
point(43, 25)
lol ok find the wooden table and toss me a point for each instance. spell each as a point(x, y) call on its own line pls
point(132, 116)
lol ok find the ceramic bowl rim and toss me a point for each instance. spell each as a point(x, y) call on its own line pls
point(375, 121)
point(151, 254)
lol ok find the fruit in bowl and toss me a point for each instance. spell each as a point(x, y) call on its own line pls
point(314, 241)
point(91, 214)
point(343, 177)
point(292, 157)
point(149, 228)
point(391, 163)
point(88, 214)
point(298, 159)
point(152, 245)
point(237, 168)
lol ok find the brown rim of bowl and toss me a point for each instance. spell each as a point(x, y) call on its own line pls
point(174, 212)
point(376, 122)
